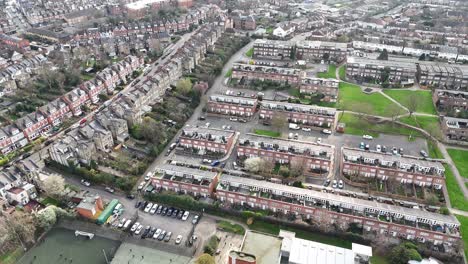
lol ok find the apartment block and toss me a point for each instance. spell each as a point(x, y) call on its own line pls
point(443, 76)
point(328, 209)
point(313, 85)
point(273, 49)
point(321, 50)
point(315, 158)
point(385, 166)
point(188, 180)
point(305, 115)
point(231, 105)
point(369, 70)
point(261, 73)
point(455, 129)
point(450, 100)
point(206, 141)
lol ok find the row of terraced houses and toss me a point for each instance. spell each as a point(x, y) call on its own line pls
point(33, 125)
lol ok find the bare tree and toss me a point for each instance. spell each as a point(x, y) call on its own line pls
point(297, 166)
point(393, 110)
point(279, 121)
point(412, 103)
point(254, 164)
point(54, 185)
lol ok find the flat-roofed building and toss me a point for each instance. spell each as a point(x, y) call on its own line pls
point(401, 71)
point(262, 73)
point(450, 100)
point(194, 179)
point(305, 115)
point(315, 158)
point(332, 209)
point(273, 49)
point(313, 85)
point(321, 50)
point(455, 130)
point(206, 142)
point(231, 105)
point(442, 75)
point(385, 166)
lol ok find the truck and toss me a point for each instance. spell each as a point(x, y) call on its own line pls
point(294, 126)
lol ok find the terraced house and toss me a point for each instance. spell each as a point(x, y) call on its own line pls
point(273, 49)
point(321, 50)
point(450, 100)
point(331, 209)
point(386, 71)
point(313, 85)
point(443, 76)
point(385, 166)
point(188, 180)
point(455, 130)
point(262, 73)
point(206, 142)
point(311, 157)
point(305, 115)
point(231, 105)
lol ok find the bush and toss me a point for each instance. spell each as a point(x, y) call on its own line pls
point(211, 245)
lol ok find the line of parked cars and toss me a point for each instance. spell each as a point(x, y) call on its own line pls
point(335, 184)
point(153, 208)
point(154, 233)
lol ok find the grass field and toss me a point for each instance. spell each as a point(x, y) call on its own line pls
point(457, 200)
point(425, 104)
point(11, 257)
point(351, 98)
point(249, 53)
point(268, 133)
point(460, 157)
point(330, 74)
point(342, 72)
point(228, 73)
point(433, 150)
point(361, 127)
point(231, 227)
point(464, 231)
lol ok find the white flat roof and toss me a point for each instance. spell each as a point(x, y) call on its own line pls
point(142, 4)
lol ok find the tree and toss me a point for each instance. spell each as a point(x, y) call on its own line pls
point(46, 217)
point(296, 168)
point(403, 253)
point(434, 130)
point(383, 55)
point(279, 121)
point(205, 259)
point(54, 185)
point(284, 171)
point(393, 111)
point(422, 57)
point(412, 103)
point(184, 86)
point(22, 226)
point(254, 164)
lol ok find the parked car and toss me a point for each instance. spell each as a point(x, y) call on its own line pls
point(130, 196)
point(401, 151)
point(327, 182)
point(164, 211)
point(319, 140)
point(362, 145)
point(206, 161)
point(334, 184)
point(242, 120)
point(143, 205)
point(153, 209)
point(159, 209)
point(234, 165)
point(340, 184)
point(234, 119)
point(168, 237)
point(367, 137)
point(134, 227)
point(185, 216)
point(152, 231)
point(367, 147)
point(378, 148)
point(195, 219)
point(201, 117)
point(178, 239)
point(110, 190)
point(162, 235)
point(174, 213)
point(180, 214)
point(423, 153)
point(140, 187)
point(169, 211)
point(85, 183)
point(306, 129)
point(138, 230)
point(145, 233)
point(138, 204)
point(127, 224)
point(157, 233)
point(326, 131)
point(148, 207)
point(122, 222)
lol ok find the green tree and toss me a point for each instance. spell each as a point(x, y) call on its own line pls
point(383, 55)
point(403, 253)
point(184, 86)
point(205, 259)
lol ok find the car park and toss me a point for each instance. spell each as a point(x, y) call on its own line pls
point(178, 239)
point(195, 219)
point(168, 237)
point(185, 216)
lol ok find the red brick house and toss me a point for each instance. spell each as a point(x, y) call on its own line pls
point(231, 105)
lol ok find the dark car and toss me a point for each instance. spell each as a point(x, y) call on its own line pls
point(130, 196)
point(151, 232)
point(169, 211)
point(180, 214)
point(174, 213)
point(164, 211)
point(137, 204)
point(162, 235)
point(143, 205)
point(145, 233)
point(168, 237)
point(326, 183)
point(159, 209)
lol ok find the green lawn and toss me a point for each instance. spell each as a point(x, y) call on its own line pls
point(460, 157)
point(269, 30)
point(230, 227)
point(352, 98)
point(464, 231)
point(268, 133)
point(342, 72)
point(49, 200)
point(228, 73)
point(457, 200)
point(355, 126)
point(429, 123)
point(330, 74)
point(434, 151)
point(249, 53)
point(377, 259)
point(11, 257)
point(425, 104)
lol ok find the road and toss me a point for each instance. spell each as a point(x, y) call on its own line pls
point(39, 156)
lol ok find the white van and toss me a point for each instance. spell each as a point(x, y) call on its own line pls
point(127, 224)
